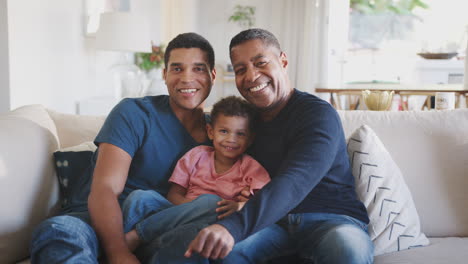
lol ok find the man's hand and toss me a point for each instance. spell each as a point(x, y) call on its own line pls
point(227, 207)
point(212, 242)
point(244, 195)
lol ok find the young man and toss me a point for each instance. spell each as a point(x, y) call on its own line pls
point(310, 207)
point(138, 146)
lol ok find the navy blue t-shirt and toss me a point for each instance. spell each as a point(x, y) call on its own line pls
point(148, 130)
point(304, 150)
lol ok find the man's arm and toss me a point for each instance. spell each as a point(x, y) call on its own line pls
point(110, 175)
point(307, 161)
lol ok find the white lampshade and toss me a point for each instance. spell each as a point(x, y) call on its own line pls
point(120, 31)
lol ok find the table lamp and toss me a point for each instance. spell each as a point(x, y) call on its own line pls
point(127, 33)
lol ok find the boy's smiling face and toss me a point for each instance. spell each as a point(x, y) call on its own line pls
point(231, 136)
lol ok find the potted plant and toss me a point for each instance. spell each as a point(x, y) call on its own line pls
point(151, 60)
point(151, 64)
point(244, 16)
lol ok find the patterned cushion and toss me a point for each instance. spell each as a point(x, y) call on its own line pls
point(394, 222)
point(73, 167)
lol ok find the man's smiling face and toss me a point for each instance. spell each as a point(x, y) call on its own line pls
point(261, 74)
point(188, 78)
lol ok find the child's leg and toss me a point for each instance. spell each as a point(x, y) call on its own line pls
point(202, 209)
point(139, 204)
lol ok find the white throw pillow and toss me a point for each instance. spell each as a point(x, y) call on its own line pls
point(394, 222)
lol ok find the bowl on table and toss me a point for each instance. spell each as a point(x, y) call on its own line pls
point(438, 56)
point(378, 100)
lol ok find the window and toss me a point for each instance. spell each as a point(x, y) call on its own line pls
point(383, 44)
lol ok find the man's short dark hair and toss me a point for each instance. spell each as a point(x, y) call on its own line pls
point(190, 40)
point(234, 106)
point(255, 33)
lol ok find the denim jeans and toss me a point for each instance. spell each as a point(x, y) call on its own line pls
point(171, 229)
point(156, 222)
point(71, 239)
point(315, 237)
point(65, 239)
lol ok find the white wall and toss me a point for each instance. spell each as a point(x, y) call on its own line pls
point(4, 68)
point(51, 61)
point(298, 25)
point(213, 24)
point(54, 64)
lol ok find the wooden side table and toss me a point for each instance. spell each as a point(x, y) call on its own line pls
point(403, 90)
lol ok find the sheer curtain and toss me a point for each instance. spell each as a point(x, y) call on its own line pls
point(300, 26)
point(178, 16)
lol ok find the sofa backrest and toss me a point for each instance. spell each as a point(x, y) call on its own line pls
point(73, 130)
point(431, 149)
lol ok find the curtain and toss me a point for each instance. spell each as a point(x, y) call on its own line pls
point(300, 28)
point(178, 16)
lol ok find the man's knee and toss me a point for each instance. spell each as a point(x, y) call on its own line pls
point(62, 235)
point(237, 255)
point(345, 242)
point(64, 225)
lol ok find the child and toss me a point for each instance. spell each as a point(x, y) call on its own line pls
point(222, 170)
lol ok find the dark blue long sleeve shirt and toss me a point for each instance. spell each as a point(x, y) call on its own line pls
point(304, 150)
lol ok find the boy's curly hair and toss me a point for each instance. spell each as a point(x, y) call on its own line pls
point(235, 106)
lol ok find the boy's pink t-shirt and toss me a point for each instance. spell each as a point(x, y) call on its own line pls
point(195, 171)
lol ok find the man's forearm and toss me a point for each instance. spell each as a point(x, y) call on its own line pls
point(107, 220)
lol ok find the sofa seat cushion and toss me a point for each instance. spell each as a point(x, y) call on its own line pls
point(453, 250)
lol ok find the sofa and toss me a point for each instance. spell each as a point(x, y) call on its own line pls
point(430, 149)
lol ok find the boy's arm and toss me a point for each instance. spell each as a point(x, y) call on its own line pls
point(109, 179)
point(227, 207)
point(177, 194)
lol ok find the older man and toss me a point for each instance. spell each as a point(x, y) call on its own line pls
point(310, 207)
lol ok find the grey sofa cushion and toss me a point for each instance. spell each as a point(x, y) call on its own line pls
point(453, 250)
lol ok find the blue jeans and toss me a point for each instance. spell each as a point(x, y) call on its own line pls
point(71, 239)
point(160, 218)
point(169, 230)
point(315, 237)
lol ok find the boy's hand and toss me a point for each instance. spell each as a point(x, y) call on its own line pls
point(227, 207)
point(244, 195)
